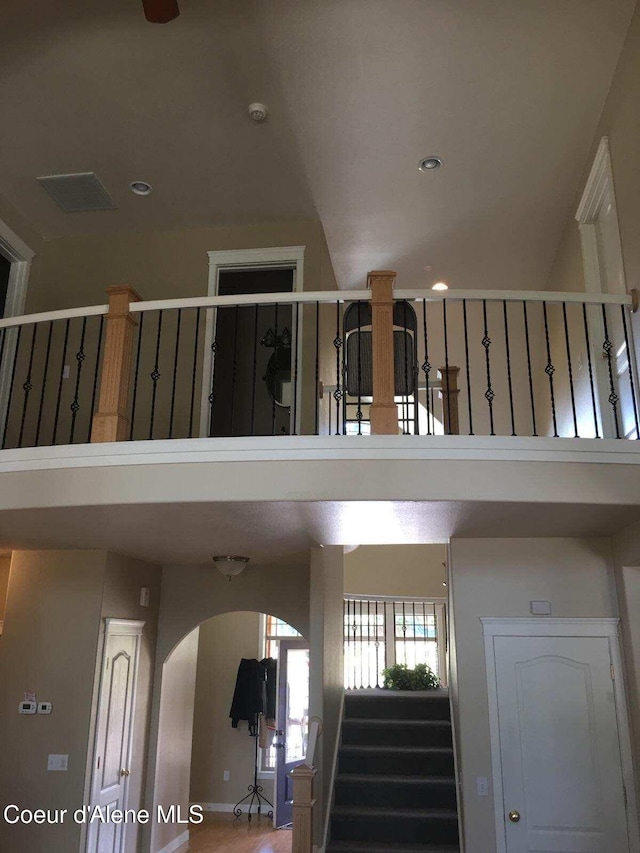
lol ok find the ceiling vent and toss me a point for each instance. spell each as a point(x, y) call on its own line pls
point(82, 191)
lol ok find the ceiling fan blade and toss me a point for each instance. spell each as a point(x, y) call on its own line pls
point(160, 11)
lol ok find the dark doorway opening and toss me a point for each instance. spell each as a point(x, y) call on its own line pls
point(5, 270)
point(251, 387)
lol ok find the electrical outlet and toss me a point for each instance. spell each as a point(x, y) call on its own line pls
point(58, 762)
point(225, 776)
point(482, 786)
point(144, 596)
point(66, 371)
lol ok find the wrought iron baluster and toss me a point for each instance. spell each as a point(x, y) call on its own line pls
point(446, 363)
point(377, 646)
point(45, 371)
point(550, 370)
point(415, 638)
point(234, 368)
point(212, 393)
point(591, 384)
point(570, 369)
point(155, 375)
point(355, 647)
point(426, 367)
point(361, 647)
point(630, 361)
point(508, 354)
point(607, 346)
point(95, 377)
point(466, 358)
point(359, 410)
point(194, 372)
point(62, 365)
point(294, 344)
point(404, 632)
point(273, 397)
point(80, 357)
point(426, 632)
point(486, 343)
point(337, 343)
point(405, 401)
point(531, 395)
point(27, 387)
point(135, 376)
point(317, 374)
point(254, 368)
point(368, 643)
point(175, 372)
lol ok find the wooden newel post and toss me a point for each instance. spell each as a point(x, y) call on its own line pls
point(302, 777)
point(449, 396)
point(111, 421)
point(384, 412)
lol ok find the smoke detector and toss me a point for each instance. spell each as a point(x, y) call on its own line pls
point(257, 112)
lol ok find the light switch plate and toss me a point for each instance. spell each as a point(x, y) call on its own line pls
point(540, 608)
point(58, 762)
point(482, 786)
point(144, 596)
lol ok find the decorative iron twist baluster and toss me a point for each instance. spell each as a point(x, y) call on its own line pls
point(75, 405)
point(486, 343)
point(607, 346)
point(550, 370)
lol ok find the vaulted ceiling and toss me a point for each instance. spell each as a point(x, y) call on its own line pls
point(507, 93)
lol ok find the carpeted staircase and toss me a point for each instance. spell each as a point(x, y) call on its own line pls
point(395, 781)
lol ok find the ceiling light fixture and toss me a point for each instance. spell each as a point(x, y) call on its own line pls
point(140, 188)
point(428, 164)
point(440, 285)
point(230, 566)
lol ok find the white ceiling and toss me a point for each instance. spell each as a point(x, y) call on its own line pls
point(280, 531)
point(507, 93)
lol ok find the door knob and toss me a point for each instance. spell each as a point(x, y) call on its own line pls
point(278, 745)
point(514, 816)
point(125, 772)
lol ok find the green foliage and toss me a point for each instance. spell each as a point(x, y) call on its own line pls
point(400, 677)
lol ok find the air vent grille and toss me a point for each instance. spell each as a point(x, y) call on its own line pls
point(79, 192)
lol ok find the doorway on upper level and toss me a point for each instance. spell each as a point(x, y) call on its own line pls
point(248, 388)
point(611, 334)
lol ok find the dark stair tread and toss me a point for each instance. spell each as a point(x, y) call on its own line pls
point(391, 847)
point(390, 779)
point(375, 847)
point(376, 721)
point(396, 813)
point(369, 749)
point(385, 693)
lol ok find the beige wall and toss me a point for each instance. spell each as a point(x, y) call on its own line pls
point(5, 566)
point(19, 225)
point(326, 684)
point(416, 571)
point(499, 577)
point(217, 747)
point(49, 646)
point(74, 271)
point(173, 768)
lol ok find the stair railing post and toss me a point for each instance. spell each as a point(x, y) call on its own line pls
point(302, 778)
point(384, 412)
point(449, 392)
point(111, 421)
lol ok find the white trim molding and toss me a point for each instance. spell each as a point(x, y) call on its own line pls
point(123, 627)
point(541, 626)
point(176, 843)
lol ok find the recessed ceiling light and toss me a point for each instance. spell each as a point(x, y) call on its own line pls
point(428, 164)
point(140, 188)
point(440, 285)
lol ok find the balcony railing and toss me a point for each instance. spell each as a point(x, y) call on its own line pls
point(324, 363)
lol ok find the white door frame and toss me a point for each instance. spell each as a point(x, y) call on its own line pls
point(548, 627)
point(115, 628)
point(599, 185)
point(284, 257)
point(20, 255)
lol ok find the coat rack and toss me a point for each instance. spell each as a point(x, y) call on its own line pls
point(255, 795)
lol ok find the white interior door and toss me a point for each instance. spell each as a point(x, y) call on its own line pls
point(114, 728)
point(562, 777)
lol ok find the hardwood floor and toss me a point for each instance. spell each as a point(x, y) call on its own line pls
point(221, 833)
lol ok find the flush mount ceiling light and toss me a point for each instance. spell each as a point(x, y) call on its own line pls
point(440, 285)
point(428, 164)
point(140, 188)
point(230, 566)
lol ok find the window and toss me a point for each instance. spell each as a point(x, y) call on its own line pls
point(381, 632)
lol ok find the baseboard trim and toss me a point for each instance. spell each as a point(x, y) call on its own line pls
point(177, 842)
